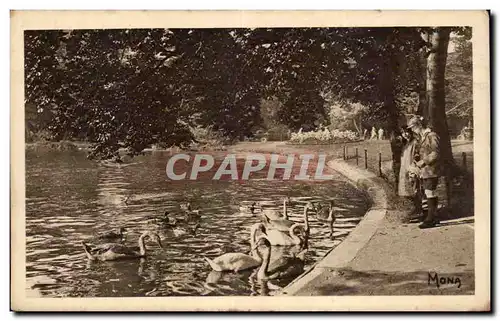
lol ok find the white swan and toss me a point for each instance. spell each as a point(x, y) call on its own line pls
point(284, 225)
point(285, 267)
point(236, 262)
point(233, 262)
point(296, 234)
point(274, 214)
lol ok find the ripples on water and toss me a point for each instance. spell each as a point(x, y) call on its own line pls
point(70, 199)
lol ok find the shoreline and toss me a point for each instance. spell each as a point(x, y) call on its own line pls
point(341, 255)
point(86, 145)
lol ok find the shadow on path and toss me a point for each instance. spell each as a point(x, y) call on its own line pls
point(350, 282)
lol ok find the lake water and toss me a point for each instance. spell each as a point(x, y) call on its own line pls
point(70, 199)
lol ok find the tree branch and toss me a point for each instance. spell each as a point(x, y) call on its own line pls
point(452, 109)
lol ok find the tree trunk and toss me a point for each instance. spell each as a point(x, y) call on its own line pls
point(387, 85)
point(423, 106)
point(358, 128)
point(436, 65)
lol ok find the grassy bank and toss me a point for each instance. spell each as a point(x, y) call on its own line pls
point(57, 146)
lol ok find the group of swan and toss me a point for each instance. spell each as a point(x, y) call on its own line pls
point(188, 224)
point(116, 250)
point(276, 229)
point(236, 262)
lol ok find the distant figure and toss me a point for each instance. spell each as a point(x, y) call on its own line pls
point(374, 133)
point(365, 133)
point(466, 133)
point(381, 134)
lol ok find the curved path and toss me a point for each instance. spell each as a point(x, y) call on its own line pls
point(383, 256)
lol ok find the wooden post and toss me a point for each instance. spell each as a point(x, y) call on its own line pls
point(344, 152)
point(357, 159)
point(464, 160)
point(380, 164)
point(366, 159)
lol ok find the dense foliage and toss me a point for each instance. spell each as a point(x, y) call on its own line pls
point(323, 136)
point(136, 87)
point(459, 85)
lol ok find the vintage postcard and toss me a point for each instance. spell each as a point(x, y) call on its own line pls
point(250, 161)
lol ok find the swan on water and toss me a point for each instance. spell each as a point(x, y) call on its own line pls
point(285, 267)
point(236, 262)
point(296, 234)
point(284, 225)
point(116, 251)
point(274, 214)
point(118, 234)
point(326, 214)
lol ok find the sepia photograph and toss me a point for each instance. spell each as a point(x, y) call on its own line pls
point(253, 161)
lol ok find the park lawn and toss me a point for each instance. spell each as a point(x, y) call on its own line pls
point(374, 147)
point(463, 190)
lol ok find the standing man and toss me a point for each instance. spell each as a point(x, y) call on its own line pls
point(381, 134)
point(374, 133)
point(427, 160)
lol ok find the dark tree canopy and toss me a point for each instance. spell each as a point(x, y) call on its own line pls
point(130, 88)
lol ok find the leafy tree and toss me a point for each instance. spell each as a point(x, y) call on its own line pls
point(458, 82)
point(132, 88)
point(217, 82)
point(271, 125)
point(99, 87)
point(347, 116)
point(296, 65)
point(303, 109)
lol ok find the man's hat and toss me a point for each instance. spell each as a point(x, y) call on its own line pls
point(415, 121)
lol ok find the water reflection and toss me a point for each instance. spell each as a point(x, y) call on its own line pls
point(70, 199)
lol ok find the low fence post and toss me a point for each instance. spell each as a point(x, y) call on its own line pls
point(357, 159)
point(366, 158)
point(380, 164)
point(464, 160)
point(344, 152)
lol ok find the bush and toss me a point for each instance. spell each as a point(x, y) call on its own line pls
point(323, 136)
point(37, 136)
point(51, 146)
point(208, 138)
point(278, 133)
